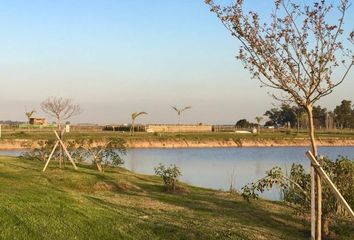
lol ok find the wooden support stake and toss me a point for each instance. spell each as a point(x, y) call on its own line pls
point(65, 150)
point(50, 156)
point(334, 189)
point(62, 145)
point(313, 204)
point(319, 205)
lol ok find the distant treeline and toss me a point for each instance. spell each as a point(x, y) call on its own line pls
point(9, 122)
point(342, 116)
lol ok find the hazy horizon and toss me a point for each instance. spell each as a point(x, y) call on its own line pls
point(118, 57)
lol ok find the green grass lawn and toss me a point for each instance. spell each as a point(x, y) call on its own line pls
point(85, 204)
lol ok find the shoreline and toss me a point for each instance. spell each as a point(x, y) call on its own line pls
point(21, 144)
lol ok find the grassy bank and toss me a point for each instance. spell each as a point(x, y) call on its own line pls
point(266, 135)
point(29, 139)
point(84, 204)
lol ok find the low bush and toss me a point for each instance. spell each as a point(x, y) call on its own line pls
point(169, 175)
point(296, 189)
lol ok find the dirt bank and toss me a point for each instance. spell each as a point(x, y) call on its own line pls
point(239, 143)
point(14, 144)
point(180, 143)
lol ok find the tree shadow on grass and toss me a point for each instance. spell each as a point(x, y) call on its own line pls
point(248, 214)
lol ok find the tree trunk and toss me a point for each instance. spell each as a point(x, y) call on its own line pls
point(60, 147)
point(29, 125)
point(99, 167)
point(179, 123)
point(132, 128)
point(173, 185)
point(316, 203)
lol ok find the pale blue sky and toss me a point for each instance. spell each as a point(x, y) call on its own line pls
point(114, 57)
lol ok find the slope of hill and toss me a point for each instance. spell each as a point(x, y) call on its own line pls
point(85, 204)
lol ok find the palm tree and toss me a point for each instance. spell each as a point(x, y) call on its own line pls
point(30, 114)
point(134, 116)
point(259, 119)
point(179, 111)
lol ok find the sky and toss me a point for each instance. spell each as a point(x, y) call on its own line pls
point(115, 57)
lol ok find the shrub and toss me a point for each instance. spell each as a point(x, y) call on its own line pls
point(102, 153)
point(169, 175)
point(40, 152)
point(296, 188)
point(108, 154)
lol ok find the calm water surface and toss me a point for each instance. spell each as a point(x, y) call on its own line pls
point(213, 167)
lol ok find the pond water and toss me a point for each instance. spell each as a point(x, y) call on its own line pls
point(213, 167)
point(11, 152)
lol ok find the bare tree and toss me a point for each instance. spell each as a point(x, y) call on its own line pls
point(134, 116)
point(296, 55)
point(60, 108)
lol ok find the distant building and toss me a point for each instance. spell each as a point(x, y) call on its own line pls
point(224, 128)
point(178, 128)
point(86, 124)
point(38, 121)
